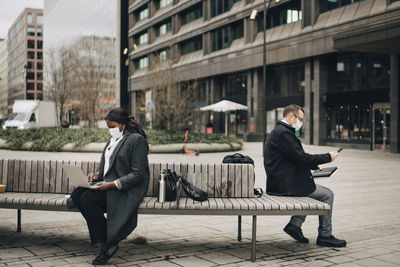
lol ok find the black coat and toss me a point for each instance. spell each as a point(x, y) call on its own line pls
point(287, 165)
point(129, 164)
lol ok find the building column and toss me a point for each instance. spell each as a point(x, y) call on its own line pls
point(394, 104)
point(320, 85)
point(308, 104)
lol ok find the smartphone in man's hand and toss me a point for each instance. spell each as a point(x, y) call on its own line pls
point(340, 149)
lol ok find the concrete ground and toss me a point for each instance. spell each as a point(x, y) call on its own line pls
point(366, 213)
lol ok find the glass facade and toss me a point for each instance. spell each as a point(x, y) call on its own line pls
point(222, 37)
point(327, 5)
point(191, 14)
point(358, 71)
point(221, 6)
point(286, 80)
point(191, 45)
point(286, 13)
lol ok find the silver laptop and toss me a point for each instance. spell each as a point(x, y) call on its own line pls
point(76, 176)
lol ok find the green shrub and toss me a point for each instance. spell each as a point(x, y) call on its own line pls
point(53, 140)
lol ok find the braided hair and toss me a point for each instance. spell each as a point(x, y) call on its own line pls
point(119, 115)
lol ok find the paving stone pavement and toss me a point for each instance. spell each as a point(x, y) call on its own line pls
point(366, 213)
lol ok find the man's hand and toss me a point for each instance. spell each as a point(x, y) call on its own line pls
point(320, 167)
point(93, 177)
point(103, 186)
point(334, 154)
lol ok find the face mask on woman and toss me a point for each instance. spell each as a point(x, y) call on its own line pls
point(115, 132)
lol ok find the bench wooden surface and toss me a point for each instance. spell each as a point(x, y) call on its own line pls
point(42, 185)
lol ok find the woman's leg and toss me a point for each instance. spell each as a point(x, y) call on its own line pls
point(93, 205)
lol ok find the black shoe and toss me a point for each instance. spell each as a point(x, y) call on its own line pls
point(70, 203)
point(330, 241)
point(295, 232)
point(103, 257)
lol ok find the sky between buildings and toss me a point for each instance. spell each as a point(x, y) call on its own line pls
point(10, 10)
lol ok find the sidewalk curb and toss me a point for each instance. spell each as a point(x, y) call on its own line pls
point(169, 148)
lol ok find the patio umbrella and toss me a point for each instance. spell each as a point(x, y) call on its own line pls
point(224, 106)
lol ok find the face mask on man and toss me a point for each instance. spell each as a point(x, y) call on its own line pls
point(115, 132)
point(298, 125)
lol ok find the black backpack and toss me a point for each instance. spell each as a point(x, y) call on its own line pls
point(242, 159)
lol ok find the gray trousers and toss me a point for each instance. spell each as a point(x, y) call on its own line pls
point(325, 195)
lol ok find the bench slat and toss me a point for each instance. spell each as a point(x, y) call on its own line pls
point(28, 176)
point(21, 176)
point(16, 175)
point(53, 176)
point(211, 180)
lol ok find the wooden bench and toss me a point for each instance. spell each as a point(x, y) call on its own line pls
point(42, 185)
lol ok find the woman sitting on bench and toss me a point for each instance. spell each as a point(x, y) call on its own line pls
point(123, 179)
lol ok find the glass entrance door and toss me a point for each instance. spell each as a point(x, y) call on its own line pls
point(381, 126)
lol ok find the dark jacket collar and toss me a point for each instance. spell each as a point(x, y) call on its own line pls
point(286, 125)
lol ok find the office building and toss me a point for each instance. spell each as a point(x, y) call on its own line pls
point(25, 56)
point(88, 28)
point(338, 59)
point(3, 78)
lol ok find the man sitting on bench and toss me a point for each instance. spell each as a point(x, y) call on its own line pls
point(288, 174)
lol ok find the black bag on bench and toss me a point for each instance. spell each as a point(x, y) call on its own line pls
point(242, 159)
point(172, 179)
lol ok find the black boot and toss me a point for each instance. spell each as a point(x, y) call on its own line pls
point(330, 241)
point(295, 232)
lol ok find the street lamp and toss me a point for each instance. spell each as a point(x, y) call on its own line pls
point(264, 105)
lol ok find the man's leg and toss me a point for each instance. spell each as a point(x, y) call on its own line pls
point(93, 204)
point(325, 195)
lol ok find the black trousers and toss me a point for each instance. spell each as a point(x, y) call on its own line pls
point(92, 204)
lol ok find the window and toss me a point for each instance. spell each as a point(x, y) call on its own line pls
point(142, 63)
point(30, 96)
point(31, 55)
point(39, 86)
point(30, 86)
point(30, 65)
point(40, 44)
point(39, 65)
point(30, 18)
point(163, 55)
point(39, 76)
point(39, 32)
point(221, 6)
point(142, 38)
point(30, 75)
point(142, 13)
point(327, 5)
point(358, 72)
point(286, 80)
point(39, 55)
point(163, 28)
point(349, 122)
point(280, 15)
point(191, 45)
point(163, 3)
point(222, 38)
point(192, 14)
point(31, 44)
point(31, 31)
point(39, 19)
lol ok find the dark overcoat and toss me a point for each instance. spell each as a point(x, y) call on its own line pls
point(129, 164)
point(287, 165)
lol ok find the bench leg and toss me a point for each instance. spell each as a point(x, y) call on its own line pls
point(239, 237)
point(19, 220)
point(253, 239)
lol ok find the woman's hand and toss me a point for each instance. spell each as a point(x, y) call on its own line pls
point(103, 186)
point(93, 177)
